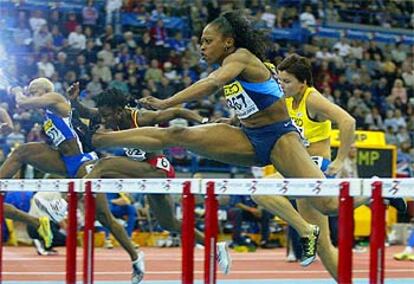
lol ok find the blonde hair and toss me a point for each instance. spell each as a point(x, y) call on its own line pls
point(43, 83)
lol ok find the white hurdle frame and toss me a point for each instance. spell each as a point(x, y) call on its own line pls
point(345, 189)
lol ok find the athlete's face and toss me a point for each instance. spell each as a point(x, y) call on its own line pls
point(290, 84)
point(213, 45)
point(35, 90)
point(110, 117)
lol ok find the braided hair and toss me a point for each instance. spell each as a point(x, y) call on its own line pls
point(234, 25)
point(112, 98)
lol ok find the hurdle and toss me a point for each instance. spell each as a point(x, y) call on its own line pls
point(344, 189)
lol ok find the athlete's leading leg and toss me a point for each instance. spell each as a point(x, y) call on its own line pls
point(39, 155)
point(217, 141)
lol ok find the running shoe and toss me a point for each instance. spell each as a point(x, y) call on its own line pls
point(223, 257)
point(138, 269)
point(404, 256)
point(309, 247)
point(108, 244)
point(45, 232)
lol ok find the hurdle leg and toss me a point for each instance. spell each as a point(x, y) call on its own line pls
point(71, 237)
point(88, 237)
point(346, 235)
point(377, 238)
point(211, 231)
point(187, 235)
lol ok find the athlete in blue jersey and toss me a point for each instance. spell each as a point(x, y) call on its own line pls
point(63, 154)
point(267, 134)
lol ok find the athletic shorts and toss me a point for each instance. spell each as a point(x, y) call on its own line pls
point(73, 163)
point(264, 138)
point(162, 163)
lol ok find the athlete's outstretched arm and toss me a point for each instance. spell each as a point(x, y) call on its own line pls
point(232, 66)
point(150, 118)
point(326, 110)
point(45, 100)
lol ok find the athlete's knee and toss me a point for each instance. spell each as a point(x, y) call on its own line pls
point(176, 133)
point(22, 152)
point(101, 167)
point(327, 207)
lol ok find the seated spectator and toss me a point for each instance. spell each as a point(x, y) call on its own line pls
point(119, 83)
point(42, 38)
point(90, 14)
point(120, 206)
point(46, 66)
point(373, 120)
point(153, 72)
point(158, 34)
point(37, 21)
point(107, 55)
point(269, 16)
point(243, 208)
point(102, 71)
point(398, 91)
point(77, 40)
point(71, 23)
point(306, 18)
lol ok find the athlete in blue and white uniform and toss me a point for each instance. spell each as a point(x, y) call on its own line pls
point(63, 154)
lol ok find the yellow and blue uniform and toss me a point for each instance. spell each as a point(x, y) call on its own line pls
point(312, 131)
point(246, 99)
point(59, 129)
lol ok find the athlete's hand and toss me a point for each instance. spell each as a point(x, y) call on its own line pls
point(18, 94)
point(152, 103)
point(73, 91)
point(334, 167)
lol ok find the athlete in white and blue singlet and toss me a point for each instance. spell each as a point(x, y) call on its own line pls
point(63, 154)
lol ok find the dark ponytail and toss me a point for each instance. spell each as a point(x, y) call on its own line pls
point(235, 25)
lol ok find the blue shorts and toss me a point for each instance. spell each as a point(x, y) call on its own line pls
point(73, 163)
point(322, 163)
point(264, 138)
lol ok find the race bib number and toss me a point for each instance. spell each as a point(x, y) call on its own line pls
point(136, 154)
point(54, 134)
point(163, 164)
point(239, 100)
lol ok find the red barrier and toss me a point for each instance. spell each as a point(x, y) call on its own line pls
point(377, 238)
point(71, 238)
point(187, 236)
point(88, 234)
point(211, 232)
point(346, 235)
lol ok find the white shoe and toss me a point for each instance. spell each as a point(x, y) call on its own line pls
point(138, 269)
point(223, 257)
